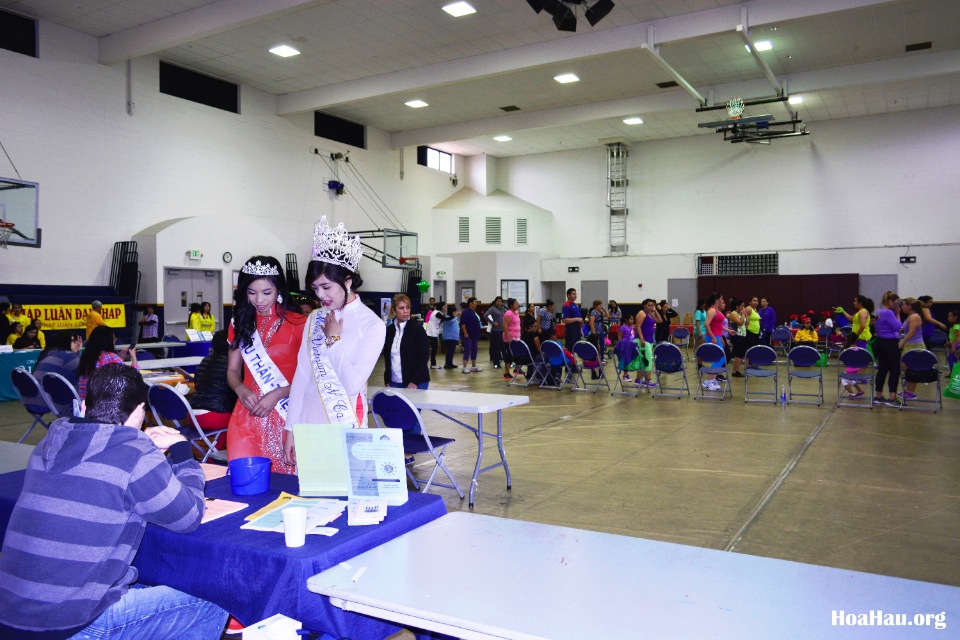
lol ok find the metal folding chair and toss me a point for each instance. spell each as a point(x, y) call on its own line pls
point(761, 362)
point(823, 338)
point(625, 352)
point(522, 357)
point(166, 403)
point(683, 335)
point(922, 367)
point(783, 337)
point(558, 371)
point(668, 361)
point(145, 355)
point(803, 362)
point(62, 395)
point(32, 397)
point(714, 361)
point(589, 361)
point(855, 358)
point(392, 410)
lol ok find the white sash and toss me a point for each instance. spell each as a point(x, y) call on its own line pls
point(266, 374)
point(335, 398)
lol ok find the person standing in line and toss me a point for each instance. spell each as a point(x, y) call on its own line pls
point(405, 349)
point(511, 331)
point(646, 322)
point(699, 318)
point(912, 329)
point(714, 327)
point(663, 324)
point(450, 327)
point(930, 324)
point(94, 319)
point(572, 320)
point(494, 319)
point(546, 317)
point(149, 326)
point(886, 348)
point(432, 327)
point(470, 333)
point(768, 321)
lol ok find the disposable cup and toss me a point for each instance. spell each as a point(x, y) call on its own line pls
point(295, 526)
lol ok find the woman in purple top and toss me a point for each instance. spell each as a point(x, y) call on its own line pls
point(646, 322)
point(930, 324)
point(886, 349)
point(768, 321)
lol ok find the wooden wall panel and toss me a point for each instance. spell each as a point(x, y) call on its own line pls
point(787, 294)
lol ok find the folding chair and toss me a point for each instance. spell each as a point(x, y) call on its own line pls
point(683, 335)
point(589, 361)
point(667, 360)
point(167, 404)
point(823, 338)
point(923, 367)
point(520, 351)
point(710, 352)
point(558, 371)
point(804, 362)
point(392, 410)
point(855, 358)
point(626, 351)
point(63, 395)
point(145, 355)
point(783, 337)
point(32, 397)
point(756, 358)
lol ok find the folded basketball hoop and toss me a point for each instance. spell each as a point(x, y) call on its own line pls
point(735, 108)
point(6, 230)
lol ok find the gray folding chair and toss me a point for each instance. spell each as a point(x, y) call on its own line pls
point(534, 374)
point(783, 337)
point(922, 367)
point(761, 362)
point(860, 359)
point(63, 395)
point(803, 362)
point(714, 361)
point(668, 361)
point(557, 371)
point(681, 338)
point(167, 403)
point(589, 361)
point(32, 397)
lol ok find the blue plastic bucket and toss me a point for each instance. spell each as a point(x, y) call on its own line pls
point(249, 476)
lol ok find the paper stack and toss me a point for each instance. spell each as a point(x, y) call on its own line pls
point(362, 511)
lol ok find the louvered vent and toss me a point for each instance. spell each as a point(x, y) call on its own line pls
point(464, 230)
point(493, 230)
point(521, 231)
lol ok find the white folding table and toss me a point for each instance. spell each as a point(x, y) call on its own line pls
point(444, 402)
point(528, 581)
point(169, 363)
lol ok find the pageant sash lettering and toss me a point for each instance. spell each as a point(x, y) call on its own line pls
point(267, 375)
point(335, 398)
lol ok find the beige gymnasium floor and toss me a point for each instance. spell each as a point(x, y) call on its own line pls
point(870, 490)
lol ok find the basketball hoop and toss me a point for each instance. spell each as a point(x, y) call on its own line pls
point(404, 261)
point(735, 108)
point(6, 230)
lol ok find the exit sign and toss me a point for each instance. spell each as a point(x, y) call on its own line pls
point(195, 254)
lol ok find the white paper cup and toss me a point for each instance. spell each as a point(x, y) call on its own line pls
point(295, 526)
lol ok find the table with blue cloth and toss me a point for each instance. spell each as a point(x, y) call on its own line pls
point(253, 574)
point(26, 358)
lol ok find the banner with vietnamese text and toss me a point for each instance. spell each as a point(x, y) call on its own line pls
point(73, 316)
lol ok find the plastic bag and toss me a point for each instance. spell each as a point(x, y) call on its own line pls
point(953, 389)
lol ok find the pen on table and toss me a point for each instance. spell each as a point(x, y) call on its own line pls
point(386, 480)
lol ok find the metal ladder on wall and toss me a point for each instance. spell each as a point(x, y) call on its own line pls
point(617, 197)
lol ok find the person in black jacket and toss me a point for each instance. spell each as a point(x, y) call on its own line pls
point(213, 400)
point(406, 349)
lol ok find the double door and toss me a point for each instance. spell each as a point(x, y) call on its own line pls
point(181, 288)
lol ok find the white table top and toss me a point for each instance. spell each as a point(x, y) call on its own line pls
point(457, 401)
point(169, 363)
point(522, 580)
point(153, 345)
point(14, 456)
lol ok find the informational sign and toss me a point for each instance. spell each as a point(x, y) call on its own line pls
point(74, 316)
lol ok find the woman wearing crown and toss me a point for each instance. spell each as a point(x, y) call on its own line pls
point(341, 342)
point(264, 340)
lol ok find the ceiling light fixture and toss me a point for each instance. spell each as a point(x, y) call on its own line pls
point(566, 78)
point(564, 11)
point(502, 138)
point(416, 104)
point(284, 51)
point(633, 121)
point(763, 45)
point(459, 9)
point(795, 100)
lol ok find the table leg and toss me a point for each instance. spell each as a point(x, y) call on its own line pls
point(503, 455)
point(476, 469)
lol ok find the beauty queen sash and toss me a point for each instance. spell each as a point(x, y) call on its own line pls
point(335, 398)
point(266, 374)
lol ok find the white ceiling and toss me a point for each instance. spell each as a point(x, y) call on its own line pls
point(362, 59)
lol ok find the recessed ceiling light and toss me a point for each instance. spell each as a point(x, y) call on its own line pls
point(502, 138)
point(795, 100)
point(566, 77)
point(284, 51)
point(416, 104)
point(763, 45)
point(458, 9)
point(633, 121)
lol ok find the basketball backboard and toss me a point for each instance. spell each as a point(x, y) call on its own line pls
point(18, 205)
point(399, 249)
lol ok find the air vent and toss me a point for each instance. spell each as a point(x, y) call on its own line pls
point(667, 85)
point(512, 107)
point(464, 230)
point(493, 230)
point(197, 87)
point(521, 231)
point(918, 46)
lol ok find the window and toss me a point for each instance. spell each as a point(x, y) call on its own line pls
point(197, 87)
point(519, 289)
point(435, 159)
point(493, 230)
point(464, 230)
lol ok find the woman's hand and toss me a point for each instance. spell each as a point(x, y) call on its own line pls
point(332, 326)
point(289, 451)
point(262, 407)
point(247, 397)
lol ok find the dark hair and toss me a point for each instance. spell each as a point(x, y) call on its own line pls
point(570, 289)
point(711, 300)
point(546, 334)
point(244, 313)
point(194, 308)
point(925, 299)
point(700, 303)
point(113, 392)
point(527, 322)
point(470, 301)
point(205, 304)
point(101, 340)
point(4, 307)
point(510, 302)
point(851, 339)
point(333, 273)
point(548, 303)
point(644, 303)
point(955, 312)
point(451, 308)
point(56, 341)
point(219, 348)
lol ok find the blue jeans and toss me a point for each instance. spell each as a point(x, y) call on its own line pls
point(157, 612)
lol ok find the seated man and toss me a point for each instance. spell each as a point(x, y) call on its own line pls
point(91, 487)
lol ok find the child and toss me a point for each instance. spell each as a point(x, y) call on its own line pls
point(953, 340)
point(806, 334)
point(629, 355)
point(851, 343)
point(837, 339)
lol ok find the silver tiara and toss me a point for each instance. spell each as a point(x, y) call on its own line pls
point(333, 245)
point(259, 269)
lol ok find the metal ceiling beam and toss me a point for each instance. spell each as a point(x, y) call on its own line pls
point(193, 24)
point(744, 32)
point(653, 52)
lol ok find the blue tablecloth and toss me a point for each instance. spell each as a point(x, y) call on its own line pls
point(253, 574)
point(26, 358)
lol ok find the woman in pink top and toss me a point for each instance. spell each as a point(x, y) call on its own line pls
point(511, 329)
point(714, 327)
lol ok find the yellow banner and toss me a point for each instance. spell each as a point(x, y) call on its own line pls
point(74, 316)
